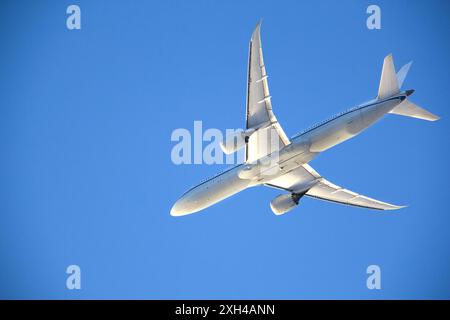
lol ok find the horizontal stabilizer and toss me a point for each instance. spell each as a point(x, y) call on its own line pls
point(401, 74)
point(409, 109)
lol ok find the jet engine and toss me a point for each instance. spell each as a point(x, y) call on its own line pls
point(284, 203)
point(236, 140)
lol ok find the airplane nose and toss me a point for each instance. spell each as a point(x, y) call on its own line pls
point(187, 204)
point(177, 209)
point(180, 208)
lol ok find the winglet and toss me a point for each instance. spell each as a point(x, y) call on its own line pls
point(257, 29)
point(394, 207)
point(259, 22)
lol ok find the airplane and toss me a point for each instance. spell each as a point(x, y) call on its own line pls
point(285, 167)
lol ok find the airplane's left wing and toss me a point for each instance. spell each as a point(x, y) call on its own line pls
point(323, 189)
point(259, 106)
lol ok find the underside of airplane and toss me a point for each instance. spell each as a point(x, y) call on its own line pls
point(274, 160)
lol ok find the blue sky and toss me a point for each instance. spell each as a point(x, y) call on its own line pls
point(87, 179)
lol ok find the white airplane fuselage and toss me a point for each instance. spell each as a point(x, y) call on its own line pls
point(303, 148)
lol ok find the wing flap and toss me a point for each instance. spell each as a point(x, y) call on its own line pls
point(293, 181)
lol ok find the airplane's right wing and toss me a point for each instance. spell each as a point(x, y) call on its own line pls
point(323, 189)
point(269, 134)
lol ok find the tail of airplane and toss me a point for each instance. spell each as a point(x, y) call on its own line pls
point(408, 109)
point(390, 84)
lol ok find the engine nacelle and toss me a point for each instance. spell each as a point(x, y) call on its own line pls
point(235, 141)
point(284, 203)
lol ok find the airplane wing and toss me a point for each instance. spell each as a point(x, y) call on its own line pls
point(323, 189)
point(259, 107)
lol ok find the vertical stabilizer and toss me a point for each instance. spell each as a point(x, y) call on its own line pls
point(388, 83)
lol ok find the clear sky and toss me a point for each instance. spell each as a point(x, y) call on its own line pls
point(87, 178)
